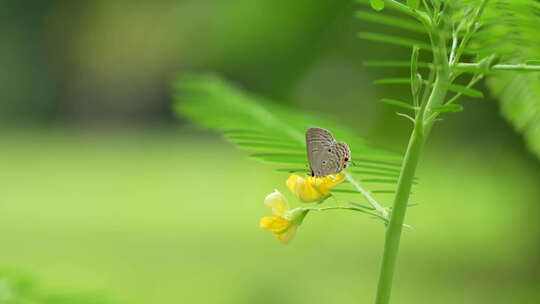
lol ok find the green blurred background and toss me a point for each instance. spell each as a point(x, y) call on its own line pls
point(103, 190)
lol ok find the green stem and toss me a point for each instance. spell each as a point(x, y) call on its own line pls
point(476, 67)
point(406, 178)
point(461, 67)
point(367, 196)
point(393, 232)
point(418, 14)
point(363, 210)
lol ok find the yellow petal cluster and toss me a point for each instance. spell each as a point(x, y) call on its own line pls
point(311, 189)
point(280, 223)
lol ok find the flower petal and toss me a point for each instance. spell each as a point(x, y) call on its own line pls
point(278, 203)
point(304, 188)
point(286, 236)
point(274, 224)
point(327, 183)
point(292, 181)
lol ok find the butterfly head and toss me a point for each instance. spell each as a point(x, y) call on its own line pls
point(344, 154)
point(345, 162)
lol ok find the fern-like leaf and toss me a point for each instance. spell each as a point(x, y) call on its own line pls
point(511, 31)
point(506, 34)
point(275, 134)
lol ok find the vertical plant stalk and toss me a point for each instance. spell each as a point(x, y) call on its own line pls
point(393, 232)
point(408, 171)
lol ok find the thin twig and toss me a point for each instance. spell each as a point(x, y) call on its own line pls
point(406, 116)
point(342, 208)
point(500, 67)
point(368, 196)
point(420, 15)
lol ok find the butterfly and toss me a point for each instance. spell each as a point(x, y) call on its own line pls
point(325, 154)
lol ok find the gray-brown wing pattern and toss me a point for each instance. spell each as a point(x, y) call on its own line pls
point(325, 155)
point(318, 141)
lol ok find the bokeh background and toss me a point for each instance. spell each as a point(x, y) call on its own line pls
point(104, 191)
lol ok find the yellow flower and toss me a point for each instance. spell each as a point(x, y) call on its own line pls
point(311, 189)
point(283, 224)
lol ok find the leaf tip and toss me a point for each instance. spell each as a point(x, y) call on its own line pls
point(377, 5)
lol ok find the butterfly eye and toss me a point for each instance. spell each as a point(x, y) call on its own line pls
point(329, 150)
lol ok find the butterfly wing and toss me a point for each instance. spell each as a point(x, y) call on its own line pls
point(325, 155)
point(318, 143)
point(343, 154)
